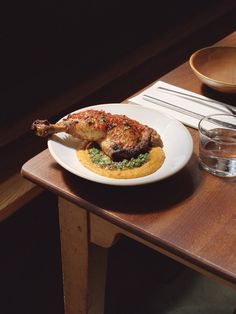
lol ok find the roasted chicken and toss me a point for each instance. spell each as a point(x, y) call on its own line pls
point(118, 136)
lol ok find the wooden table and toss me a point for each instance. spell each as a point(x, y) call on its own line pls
point(190, 217)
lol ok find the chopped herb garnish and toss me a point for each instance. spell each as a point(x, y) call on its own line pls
point(126, 127)
point(102, 119)
point(103, 161)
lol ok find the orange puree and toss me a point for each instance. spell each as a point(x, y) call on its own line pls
point(156, 154)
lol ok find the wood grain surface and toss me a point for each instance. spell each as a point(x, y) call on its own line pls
point(191, 214)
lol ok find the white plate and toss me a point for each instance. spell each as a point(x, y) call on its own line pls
point(177, 141)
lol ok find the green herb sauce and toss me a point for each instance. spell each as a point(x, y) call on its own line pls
point(103, 161)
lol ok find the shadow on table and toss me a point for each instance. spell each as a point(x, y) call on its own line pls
point(143, 198)
point(222, 97)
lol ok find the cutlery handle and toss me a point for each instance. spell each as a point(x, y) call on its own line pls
point(222, 123)
point(225, 107)
point(186, 111)
point(168, 105)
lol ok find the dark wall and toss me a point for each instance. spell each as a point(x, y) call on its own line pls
point(47, 35)
point(47, 46)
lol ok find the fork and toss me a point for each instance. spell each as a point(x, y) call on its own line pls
point(232, 109)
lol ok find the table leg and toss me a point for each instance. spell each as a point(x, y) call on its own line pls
point(83, 264)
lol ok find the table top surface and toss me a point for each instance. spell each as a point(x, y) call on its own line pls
point(191, 214)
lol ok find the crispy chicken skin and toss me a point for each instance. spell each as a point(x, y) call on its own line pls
point(118, 136)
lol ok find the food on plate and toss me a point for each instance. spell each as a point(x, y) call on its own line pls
point(113, 145)
point(142, 165)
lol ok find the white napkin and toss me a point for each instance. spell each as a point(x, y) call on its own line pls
point(204, 108)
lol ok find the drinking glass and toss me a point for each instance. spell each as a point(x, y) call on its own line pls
point(217, 145)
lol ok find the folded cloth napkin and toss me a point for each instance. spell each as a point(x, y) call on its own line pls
point(202, 107)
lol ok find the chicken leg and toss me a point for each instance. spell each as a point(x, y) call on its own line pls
point(118, 136)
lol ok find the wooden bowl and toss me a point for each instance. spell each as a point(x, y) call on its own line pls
point(215, 66)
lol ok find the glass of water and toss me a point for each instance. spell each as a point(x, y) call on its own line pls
point(217, 145)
